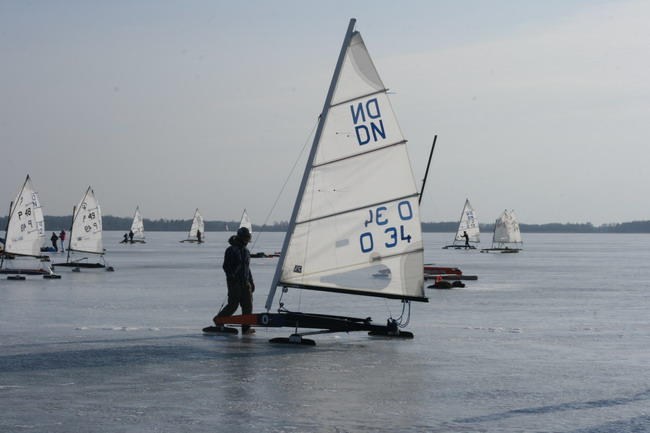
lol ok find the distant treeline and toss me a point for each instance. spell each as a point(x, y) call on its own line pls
point(55, 223)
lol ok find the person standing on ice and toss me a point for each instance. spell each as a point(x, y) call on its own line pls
point(62, 237)
point(54, 238)
point(466, 236)
point(236, 265)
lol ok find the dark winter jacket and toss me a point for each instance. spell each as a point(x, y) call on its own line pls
point(237, 260)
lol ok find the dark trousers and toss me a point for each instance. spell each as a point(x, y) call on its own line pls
point(238, 294)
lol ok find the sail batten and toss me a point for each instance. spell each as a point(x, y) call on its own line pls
point(356, 224)
point(359, 97)
point(359, 154)
point(371, 205)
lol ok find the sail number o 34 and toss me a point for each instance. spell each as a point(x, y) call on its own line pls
point(393, 235)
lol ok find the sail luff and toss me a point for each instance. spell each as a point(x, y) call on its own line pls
point(460, 222)
point(310, 161)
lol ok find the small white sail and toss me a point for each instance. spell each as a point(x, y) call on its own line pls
point(86, 231)
point(506, 231)
point(197, 225)
point(246, 222)
point(26, 225)
point(502, 229)
point(357, 212)
point(514, 228)
point(137, 227)
point(468, 223)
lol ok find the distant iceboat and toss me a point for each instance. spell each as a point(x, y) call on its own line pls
point(86, 234)
point(197, 229)
point(25, 234)
point(506, 232)
point(137, 228)
point(468, 224)
point(246, 222)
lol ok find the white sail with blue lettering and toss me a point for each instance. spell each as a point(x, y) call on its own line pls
point(26, 225)
point(357, 214)
point(86, 231)
point(468, 224)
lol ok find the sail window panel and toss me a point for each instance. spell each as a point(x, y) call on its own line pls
point(358, 73)
point(26, 228)
point(376, 249)
point(348, 184)
point(356, 127)
point(86, 231)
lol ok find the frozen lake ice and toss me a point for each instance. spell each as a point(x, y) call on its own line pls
point(554, 339)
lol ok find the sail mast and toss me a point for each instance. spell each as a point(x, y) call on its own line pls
point(460, 221)
point(312, 156)
point(4, 250)
point(426, 173)
point(74, 211)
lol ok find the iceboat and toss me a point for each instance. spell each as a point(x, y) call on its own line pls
point(86, 236)
point(468, 224)
point(356, 213)
point(507, 236)
point(25, 233)
point(197, 229)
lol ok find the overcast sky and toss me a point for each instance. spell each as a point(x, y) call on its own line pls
point(541, 107)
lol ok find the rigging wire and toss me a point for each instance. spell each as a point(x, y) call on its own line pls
point(286, 181)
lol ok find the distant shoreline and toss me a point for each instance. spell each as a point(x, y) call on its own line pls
point(111, 223)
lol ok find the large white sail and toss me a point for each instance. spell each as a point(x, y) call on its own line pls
point(26, 225)
point(137, 227)
point(86, 231)
point(246, 222)
point(468, 223)
point(197, 225)
point(357, 212)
